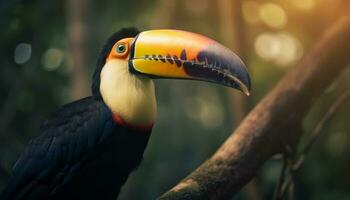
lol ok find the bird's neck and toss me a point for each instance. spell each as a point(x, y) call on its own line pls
point(131, 98)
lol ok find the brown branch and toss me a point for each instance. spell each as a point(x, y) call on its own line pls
point(277, 192)
point(272, 124)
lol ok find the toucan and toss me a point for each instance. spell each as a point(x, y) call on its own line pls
point(88, 148)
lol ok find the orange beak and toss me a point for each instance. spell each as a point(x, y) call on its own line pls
point(184, 55)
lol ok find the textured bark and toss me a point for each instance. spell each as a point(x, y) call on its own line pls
point(272, 124)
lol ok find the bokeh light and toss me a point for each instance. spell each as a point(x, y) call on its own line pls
point(290, 49)
point(23, 52)
point(304, 4)
point(250, 11)
point(267, 46)
point(52, 59)
point(206, 109)
point(337, 143)
point(273, 15)
point(280, 48)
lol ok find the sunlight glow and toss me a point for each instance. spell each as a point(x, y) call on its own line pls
point(250, 11)
point(304, 4)
point(267, 46)
point(280, 48)
point(290, 49)
point(273, 15)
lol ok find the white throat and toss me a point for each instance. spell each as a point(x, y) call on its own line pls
point(129, 96)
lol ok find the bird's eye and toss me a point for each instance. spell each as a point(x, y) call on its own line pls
point(121, 48)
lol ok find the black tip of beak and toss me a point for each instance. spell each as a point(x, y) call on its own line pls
point(220, 65)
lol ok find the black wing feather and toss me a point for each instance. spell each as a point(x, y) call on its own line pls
point(67, 136)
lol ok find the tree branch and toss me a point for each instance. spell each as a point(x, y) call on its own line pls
point(274, 123)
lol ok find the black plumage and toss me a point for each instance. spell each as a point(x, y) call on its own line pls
point(81, 152)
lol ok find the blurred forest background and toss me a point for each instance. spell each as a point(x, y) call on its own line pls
point(49, 50)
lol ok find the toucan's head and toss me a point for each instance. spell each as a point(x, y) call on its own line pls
point(131, 59)
point(174, 54)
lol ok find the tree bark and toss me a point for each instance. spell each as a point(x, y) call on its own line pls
point(274, 123)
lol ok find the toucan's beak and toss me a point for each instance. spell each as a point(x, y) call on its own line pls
point(185, 55)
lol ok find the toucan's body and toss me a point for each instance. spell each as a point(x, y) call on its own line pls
point(88, 148)
point(66, 160)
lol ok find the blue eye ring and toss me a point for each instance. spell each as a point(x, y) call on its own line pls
point(121, 48)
